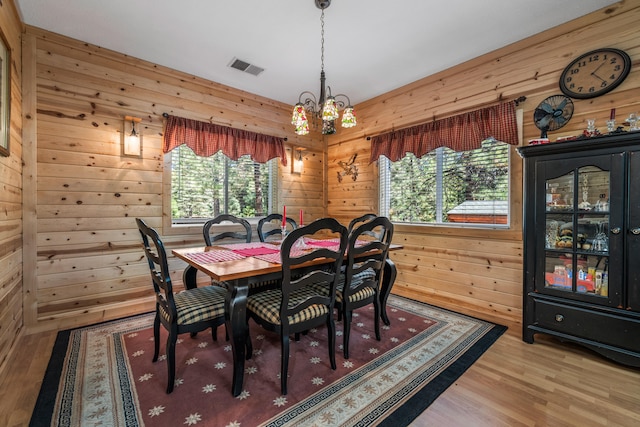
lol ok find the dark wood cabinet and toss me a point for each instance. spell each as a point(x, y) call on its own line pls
point(582, 243)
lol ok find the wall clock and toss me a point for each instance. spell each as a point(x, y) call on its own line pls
point(595, 73)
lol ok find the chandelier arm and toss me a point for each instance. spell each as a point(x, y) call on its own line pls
point(308, 100)
point(342, 104)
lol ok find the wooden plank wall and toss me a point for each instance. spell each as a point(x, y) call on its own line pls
point(81, 249)
point(11, 312)
point(87, 260)
point(475, 271)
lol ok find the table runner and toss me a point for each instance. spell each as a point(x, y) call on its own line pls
point(257, 251)
point(275, 257)
point(243, 246)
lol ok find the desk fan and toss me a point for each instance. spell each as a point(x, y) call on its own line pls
point(552, 113)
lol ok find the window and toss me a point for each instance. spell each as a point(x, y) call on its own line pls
point(204, 187)
point(445, 186)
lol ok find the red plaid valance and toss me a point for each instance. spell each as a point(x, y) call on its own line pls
point(461, 133)
point(206, 139)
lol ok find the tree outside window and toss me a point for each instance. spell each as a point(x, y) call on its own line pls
point(445, 186)
point(204, 187)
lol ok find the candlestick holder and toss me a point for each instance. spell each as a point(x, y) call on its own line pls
point(611, 125)
point(283, 231)
point(633, 122)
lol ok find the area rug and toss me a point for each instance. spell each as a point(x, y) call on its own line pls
point(102, 375)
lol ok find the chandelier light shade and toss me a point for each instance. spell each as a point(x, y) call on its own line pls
point(299, 120)
point(325, 108)
point(348, 117)
point(330, 109)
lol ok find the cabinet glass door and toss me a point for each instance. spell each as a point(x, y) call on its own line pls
point(633, 234)
point(576, 239)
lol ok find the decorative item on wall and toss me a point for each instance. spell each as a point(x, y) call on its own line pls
point(297, 163)
point(552, 113)
point(595, 73)
point(5, 96)
point(131, 140)
point(348, 168)
point(325, 107)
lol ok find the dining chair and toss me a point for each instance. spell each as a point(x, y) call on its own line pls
point(272, 224)
point(297, 305)
point(189, 311)
point(243, 234)
point(360, 220)
point(359, 286)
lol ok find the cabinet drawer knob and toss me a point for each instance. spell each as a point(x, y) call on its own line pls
point(559, 317)
point(635, 231)
point(615, 230)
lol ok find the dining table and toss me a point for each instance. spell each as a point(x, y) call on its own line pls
point(242, 264)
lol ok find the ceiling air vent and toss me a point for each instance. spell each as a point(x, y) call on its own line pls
point(241, 65)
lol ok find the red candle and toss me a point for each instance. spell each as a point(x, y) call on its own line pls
point(284, 215)
point(613, 114)
point(300, 217)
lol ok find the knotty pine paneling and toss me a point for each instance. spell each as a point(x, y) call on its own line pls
point(471, 270)
point(87, 255)
point(11, 188)
point(86, 195)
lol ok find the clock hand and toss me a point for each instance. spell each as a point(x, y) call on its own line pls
point(593, 73)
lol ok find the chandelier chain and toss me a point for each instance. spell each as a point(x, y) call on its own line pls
point(326, 107)
point(322, 41)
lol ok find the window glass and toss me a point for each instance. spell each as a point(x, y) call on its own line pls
point(445, 186)
point(204, 187)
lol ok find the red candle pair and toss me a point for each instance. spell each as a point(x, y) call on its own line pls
point(284, 216)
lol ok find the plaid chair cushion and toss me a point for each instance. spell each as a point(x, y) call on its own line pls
point(267, 305)
point(197, 305)
point(252, 286)
point(356, 280)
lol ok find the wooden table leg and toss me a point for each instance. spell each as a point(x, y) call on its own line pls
point(236, 323)
point(388, 278)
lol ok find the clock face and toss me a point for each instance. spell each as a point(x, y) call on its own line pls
point(595, 73)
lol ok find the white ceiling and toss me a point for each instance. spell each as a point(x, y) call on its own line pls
point(371, 46)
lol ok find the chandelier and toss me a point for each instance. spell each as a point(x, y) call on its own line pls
point(327, 106)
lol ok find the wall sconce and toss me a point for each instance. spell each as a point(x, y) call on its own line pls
point(131, 140)
point(297, 164)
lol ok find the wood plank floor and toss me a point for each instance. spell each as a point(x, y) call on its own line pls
point(513, 384)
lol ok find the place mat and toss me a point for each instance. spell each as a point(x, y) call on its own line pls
point(262, 250)
point(215, 255)
point(322, 243)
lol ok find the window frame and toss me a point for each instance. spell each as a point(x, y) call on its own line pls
point(510, 231)
point(171, 228)
point(439, 183)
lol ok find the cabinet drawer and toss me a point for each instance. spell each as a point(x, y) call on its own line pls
point(604, 328)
